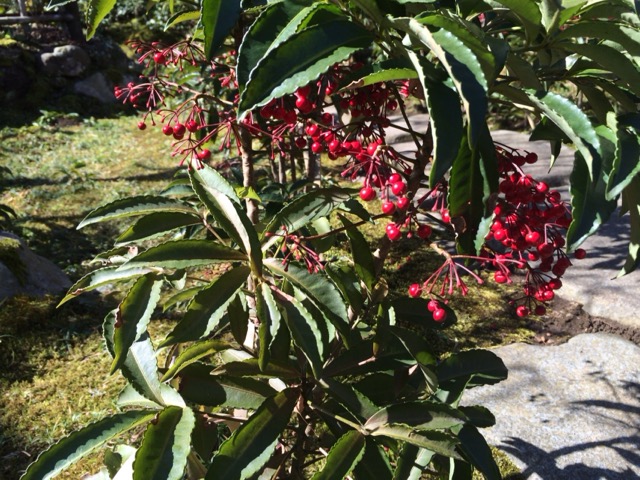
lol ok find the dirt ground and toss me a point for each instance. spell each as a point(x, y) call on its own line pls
point(567, 319)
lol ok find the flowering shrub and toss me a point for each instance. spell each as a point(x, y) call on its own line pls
point(288, 363)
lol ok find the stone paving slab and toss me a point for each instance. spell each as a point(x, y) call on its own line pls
point(568, 412)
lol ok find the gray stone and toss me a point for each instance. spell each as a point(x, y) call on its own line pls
point(22, 272)
point(67, 60)
point(96, 86)
point(570, 411)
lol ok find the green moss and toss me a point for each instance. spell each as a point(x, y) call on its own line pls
point(10, 257)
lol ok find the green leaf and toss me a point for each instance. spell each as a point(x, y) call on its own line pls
point(344, 277)
point(192, 354)
point(461, 64)
point(469, 369)
point(574, 123)
point(262, 34)
point(199, 386)
point(305, 209)
point(96, 11)
point(128, 207)
point(101, 277)
point(438, 442)
point(209, 178)
point(374, 464)
point(300, 59)
point(628, 37)
point(528, 13)
point(415, 311)
point(238, 314)
point(251, 368)
point(305, 331)
point(79, 444)
point(129, 397)
point(385, 71)
point(361, 252)
point(317, 287)
point(133, 315)
point(218, 18)
point(412, 462)
point(208, 307)
point(343, 456)
point(165, 446)
point(249, 448)
point(228, 214)
point(423, 415)
point(181, 296)
point(631, 199)
point(476, 449)
point(155, 224)
point(353, 400)
point(360, 360)
point(479, 416)
point(626, 164)
point(269, 317)
point(178, 254)
point(186, 16)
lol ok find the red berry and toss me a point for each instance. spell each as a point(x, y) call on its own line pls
point(142, 125)
point(398, 188)
point(393, 232)
point(367, 194)
point(191, 125)
point(446, 216)
point(522, 311)
point(395, 178)
point(301, 142)
point(580, 253)
point(433, 305)
point(179, 130)
point(316, 147)
point(439, 315)
point(500, 277)
point(540, 310)
point(415, 290)
point(542, 187)
point(545, 250)
point(205, 154)
point(402, 203)
point(388, 207)
point(159, 58)
point(424, 231)
point(167, 130)
point(532, 238)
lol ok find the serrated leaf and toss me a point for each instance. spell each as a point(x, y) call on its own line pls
point(178, 254)
point(101, 277)
point(129, 397)
point(627, 36)
point(128, 207)
point(300, 59)
point(419, 349)
point(631, 199)
point(343, 276)
point(218, 18)
point(479, 416)
point(213, 191)
point(363, 262)
point(438, 442)
point(411, 462)
point(385, 71)
point(481, 367)
point(305, 209)
point(343, 456)
point(165, 446)
point(262, 34)
point(360, 360)
point(212, 180)
point(79, 444)
point(423, 415)
point(156, 224)
point(238, 314)
point(96, 11)
point(475, 447)
point(187, 16)
point(305, 331)
point(250, 368)
point(182, 296)
point(352, 399)
point(250, 446)
point(194, 353)
point(133, 315)
point(199, 386)
point(528, 13)
point(269, 317)
point(574, 123)
point(317, 287)
point(208, 307)
point(374, 464)
point(626, 164)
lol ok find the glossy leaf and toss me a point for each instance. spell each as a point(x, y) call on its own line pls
point(207, 308)
point(165, 446)
point(238, 314)
point(353, 400)
point(101, 277)
point(438, 442)
point(250, 446)
point(412, 462)
point(194, 353)
point(155, 224)
point(479, 416)
point(528, 13)
point(424, 415)
point(374, 464)
point(631, 199)
point(478, 367)
point(96, 11)
point(209, 178)
point(186, 16)
point(269, 317)
point(181, 296)
point(626, 164)
point(305, 209)
point(300, 59)
point(82, 442)
point(218, 18)
point(343, 456)
point(250, 368)
point(133, 315)
point(627, 36)
point(415, 311)
point(385, 71)
point(344, 277)
point(363, 262)
point(132, 206)
point(475, 447)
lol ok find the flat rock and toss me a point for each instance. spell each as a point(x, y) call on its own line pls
point(66, 60)
point(97, 86)
point(568, 412)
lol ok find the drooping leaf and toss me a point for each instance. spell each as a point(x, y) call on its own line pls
point(627, 36)
point(353, 400)
point(82, 442)
point(96, 11)
point(423, 415)
point(129, 397)
point(476, 449)
point(250, 368)
point(133, 315)
point(344, 277)
point(300, 59)
point(528, 13)
point(343, 456)
point(250, 446)
point(363, 262)
point(305, 209)
point(165, 446)
point(374, 464)
point(479, 416)
point(412, 462)
point(438, 442)
point(208, 307)
point(238, 314)
point(212, 180)
point(156, 224)
point(179, 17)
point(385, 71)
point(626, 164)
point(194, 353)
point(182, 296)
point(269, 317)
point(218, 17)
point(128, 207)
point(199, 386)
point(101, 277)
point(631, 199)
point(473, 367)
